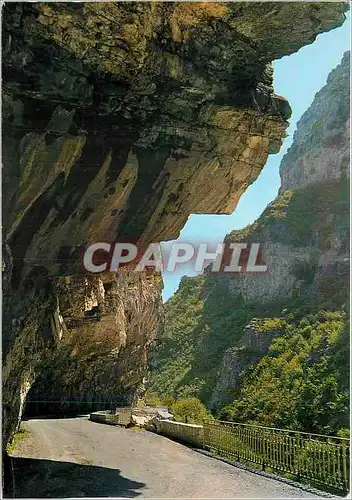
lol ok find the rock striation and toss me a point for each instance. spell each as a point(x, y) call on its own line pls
point(119, 120)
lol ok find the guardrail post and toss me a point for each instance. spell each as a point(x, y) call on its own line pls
point(264, 453)
point(344, 467)
point(219, 440)
point(298, 447)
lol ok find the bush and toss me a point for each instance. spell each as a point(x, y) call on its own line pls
point(190, 411)
point(17, 439)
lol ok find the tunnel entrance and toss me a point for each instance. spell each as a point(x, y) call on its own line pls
point(39, 404)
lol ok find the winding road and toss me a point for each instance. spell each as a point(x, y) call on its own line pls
point(75, 457)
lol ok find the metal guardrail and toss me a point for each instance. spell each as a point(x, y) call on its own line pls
point(316, 458)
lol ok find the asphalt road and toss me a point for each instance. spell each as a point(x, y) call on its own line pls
point(78, 458)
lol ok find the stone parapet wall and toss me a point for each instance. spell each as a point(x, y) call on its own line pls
point(104, 418)
point(189, 433)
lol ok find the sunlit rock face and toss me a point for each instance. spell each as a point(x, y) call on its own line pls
point(320, 151)
point(106, 326)
point(119, 120)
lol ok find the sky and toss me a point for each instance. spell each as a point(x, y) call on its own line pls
point(298, 78)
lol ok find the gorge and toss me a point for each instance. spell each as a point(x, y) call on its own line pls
point(273, 349)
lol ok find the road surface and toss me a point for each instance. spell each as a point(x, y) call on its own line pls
point(77, 458)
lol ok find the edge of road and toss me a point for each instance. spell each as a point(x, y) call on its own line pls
point(304, 487)
point(268, 475)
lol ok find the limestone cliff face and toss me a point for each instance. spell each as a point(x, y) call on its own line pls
point(119, 120)
point(124, 118)
point(320, 151)
point(305, 231)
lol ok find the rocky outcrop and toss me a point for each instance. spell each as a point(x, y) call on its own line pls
point(119, 120)
point(257, 337)
point(106, 326)
point(305, 231)
point(80, 344)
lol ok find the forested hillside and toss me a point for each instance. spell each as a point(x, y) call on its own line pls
point(274, 349)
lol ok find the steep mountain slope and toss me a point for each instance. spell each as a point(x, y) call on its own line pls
point(289, 365)
point(305, 230)
point(302, 382)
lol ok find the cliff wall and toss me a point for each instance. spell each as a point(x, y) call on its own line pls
point(107, 325)
point(119, 120)
point(305, 231)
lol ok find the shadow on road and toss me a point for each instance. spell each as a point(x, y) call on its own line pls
point(35, 478)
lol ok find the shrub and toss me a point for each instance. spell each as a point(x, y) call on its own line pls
point(190, 411)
